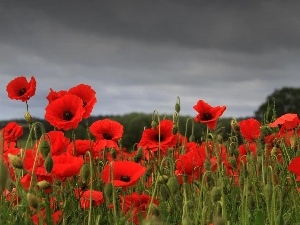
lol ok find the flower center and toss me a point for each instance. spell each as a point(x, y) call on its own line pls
point(125, 178)
point(107, 136)
point(22, 91)
point(159, 137)
point(206, 116)
point(67, 115)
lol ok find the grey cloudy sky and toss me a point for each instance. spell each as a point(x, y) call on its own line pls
point(139, 55)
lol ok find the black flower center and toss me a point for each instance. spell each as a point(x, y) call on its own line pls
point(159, 137)
point(22, 91)
point(107, 136)
point(125, 178)
point(206, 116)
point(67, 115)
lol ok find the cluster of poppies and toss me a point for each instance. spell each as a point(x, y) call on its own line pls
point(54, 157)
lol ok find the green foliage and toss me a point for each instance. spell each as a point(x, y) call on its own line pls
point(282, 101)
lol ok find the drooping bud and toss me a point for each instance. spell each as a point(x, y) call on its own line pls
point(138, 156)
point(43, 184)
point(15, 161)
point(48, 164)
point(173, 185)
point(234, 125)
point(85, 172)
point(153, 124)
point(32, 200)
point(216, 194)
point(28, 117)
point(163, 179)
point(44, 148)
point(3, 176)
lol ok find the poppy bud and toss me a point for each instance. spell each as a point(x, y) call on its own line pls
point(32, 200)
point(43, 184)
point(108, 190)
point(192, 138)
point(48, 164)
point(3, 176)
point(84, 172)
point(153, 124)
point(44, 148)
point(234, 125)
point(175, 129)
point(232, 161)
point(216, 194)
point(15, 161)
point(113, 152)
point(173, 185)
point(163, 192)
point(177, 107)
point(28, 117)
point(267, 191)
point(163, 179)
point(138, 156)
point(207, 165)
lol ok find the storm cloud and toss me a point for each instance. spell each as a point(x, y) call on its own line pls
point(140, 55)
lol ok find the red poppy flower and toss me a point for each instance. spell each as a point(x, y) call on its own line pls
point(294, 167)
point(65, 112)
point(41, 215)
point(250, 129)
point(66, 166)
point(246, 149)
point(287, 121)
point(107, 133)
point(208, 114)
point(88, 96)
point(20, 89)
point(191, 163)
point(12, 131)
point(97, 198)
point(125, 173)
point(136, 204)
point(81, 147)
point(161, 138)
point(58, 141)
point(55, 94)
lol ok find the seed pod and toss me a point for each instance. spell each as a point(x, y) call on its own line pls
point(48, 164)
point(177, 107)
point(44, 148)
point(138, 156)
point(15, 161)
point(173, 185)
point(216, 194)
point(32, 200)
point(85, 172)
point(153, 124)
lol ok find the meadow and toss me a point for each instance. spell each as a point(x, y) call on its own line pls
point(168, 177)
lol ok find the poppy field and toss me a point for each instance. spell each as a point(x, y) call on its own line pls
point(167, 178)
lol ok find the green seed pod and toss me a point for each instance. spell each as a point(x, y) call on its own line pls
point(43, 184)
point(173, 185)
point(15, 161)
point(177, 107)
point(108, 190)
point(3, 176)
point(163, 192)
point(163, 179)
point(85, 172)
point(28, 117)
point(153, 124)
point(267, 191)
point(48, 164)
point(44, 148)
point(32, 200)
point(139, 155)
